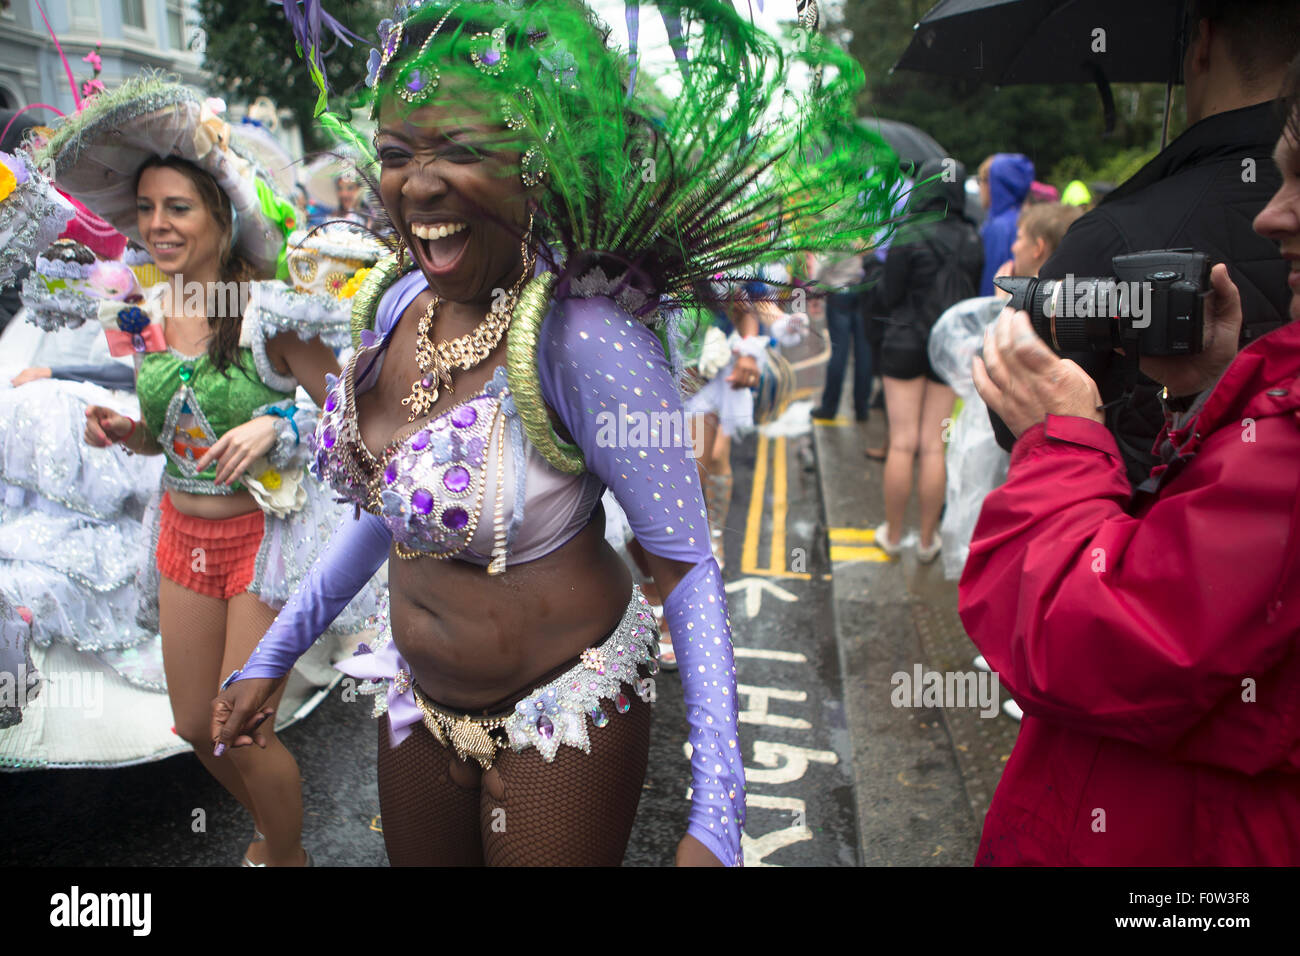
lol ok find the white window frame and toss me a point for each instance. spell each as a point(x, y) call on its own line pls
point(84, 25)
point(143, 35)
point(180, 8)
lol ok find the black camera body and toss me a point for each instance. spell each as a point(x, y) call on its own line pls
point(1153, 305)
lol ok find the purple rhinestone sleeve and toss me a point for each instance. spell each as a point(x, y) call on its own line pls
point(607, 378)
point(355, 551)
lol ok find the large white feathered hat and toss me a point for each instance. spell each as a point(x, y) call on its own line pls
point(98, 152)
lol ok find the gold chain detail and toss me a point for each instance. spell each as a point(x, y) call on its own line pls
point(469, 736)
point(437, 360)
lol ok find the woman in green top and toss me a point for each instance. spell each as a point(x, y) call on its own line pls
point(216, 393)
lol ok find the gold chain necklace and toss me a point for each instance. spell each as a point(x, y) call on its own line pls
point(437, 360)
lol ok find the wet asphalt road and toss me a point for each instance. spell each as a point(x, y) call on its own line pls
point(798, 755)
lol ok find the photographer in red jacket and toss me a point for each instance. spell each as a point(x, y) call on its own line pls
point(1154, 645)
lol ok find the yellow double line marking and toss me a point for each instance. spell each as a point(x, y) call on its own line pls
point(854, 544)
point(778, 560)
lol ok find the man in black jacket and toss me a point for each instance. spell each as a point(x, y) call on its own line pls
point(1202, 191)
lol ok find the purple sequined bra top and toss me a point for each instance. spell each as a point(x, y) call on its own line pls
point(454, 485)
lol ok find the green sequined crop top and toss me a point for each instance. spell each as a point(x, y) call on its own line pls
point(187, 405)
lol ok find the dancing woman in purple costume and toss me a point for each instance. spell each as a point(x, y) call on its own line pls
point(517, 322)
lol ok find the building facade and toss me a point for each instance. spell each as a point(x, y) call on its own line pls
point(131, 35)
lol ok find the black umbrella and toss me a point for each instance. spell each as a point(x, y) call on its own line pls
point(1054, 41)
point(1050, 41)
point(914, 146)
point(911, 144)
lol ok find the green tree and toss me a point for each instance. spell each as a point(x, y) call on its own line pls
point(250, 53)
point(1059, 127)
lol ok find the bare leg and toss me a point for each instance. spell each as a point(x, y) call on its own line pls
point(715, 476)
point(193, 630)
point(271, 775)
point(936, 410)
point(903, 402)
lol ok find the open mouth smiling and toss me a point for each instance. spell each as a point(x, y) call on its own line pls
point(439, 245)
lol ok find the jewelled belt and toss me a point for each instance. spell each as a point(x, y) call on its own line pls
point(556, 713)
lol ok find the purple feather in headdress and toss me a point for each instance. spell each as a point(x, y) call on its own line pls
point(672, 17)
point(308, 21)
point(632, 13)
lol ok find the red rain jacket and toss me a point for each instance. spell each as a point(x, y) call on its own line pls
point(1154, 647)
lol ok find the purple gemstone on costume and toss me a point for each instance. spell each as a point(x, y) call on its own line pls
point(331, 402)
point(331, 436)
point(415, 83)
point(427, 381)
point(491, 56)
point(622, 703)
point(390, 472)
point(455, 518)
point(420, 441)
point(137, 341)
point(456, 479)
point(422, 501)
point(545, 727)
point(464, 416)
point(599, 717)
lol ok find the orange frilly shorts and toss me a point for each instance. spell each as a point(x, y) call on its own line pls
point(215, 557)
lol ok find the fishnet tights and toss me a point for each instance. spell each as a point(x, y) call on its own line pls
point(575, 811)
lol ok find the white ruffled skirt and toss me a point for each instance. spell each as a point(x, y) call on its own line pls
point(77, 536)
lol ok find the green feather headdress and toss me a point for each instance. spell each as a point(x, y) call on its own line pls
point(721, 163)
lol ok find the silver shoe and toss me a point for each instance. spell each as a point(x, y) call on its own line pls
point(307, 852)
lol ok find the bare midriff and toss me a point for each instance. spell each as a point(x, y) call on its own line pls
point(473, 639)
point(212, 507)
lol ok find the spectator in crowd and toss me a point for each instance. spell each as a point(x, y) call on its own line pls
point(848, 334)
point(975, 463)
point(1077, 194)
point(931, 264)
point(1042, 193)
point(1200, 192)
point(1151, 642)
point(1039, 231)
point(1004, 180)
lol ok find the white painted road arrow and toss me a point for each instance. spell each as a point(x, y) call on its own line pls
point(754, 588)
